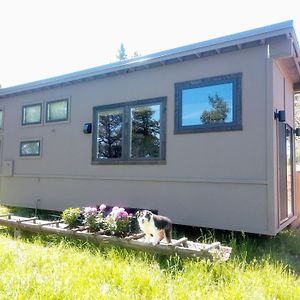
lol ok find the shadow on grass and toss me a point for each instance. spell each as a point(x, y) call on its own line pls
point(283, 248)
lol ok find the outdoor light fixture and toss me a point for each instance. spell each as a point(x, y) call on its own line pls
point(280, 115)
point(297, 131)
point(87, 128)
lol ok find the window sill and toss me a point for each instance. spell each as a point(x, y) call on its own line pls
point(203, 129)
point(129, 162)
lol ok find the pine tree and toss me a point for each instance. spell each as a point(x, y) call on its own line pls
point(110, 136)
point(121, 53)
point(145, 133)
point(218, 113)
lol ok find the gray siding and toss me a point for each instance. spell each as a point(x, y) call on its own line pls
point(214, 179)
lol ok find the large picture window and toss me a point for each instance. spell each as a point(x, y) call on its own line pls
point(130, 132)
point(209, 104)
point(32, 114)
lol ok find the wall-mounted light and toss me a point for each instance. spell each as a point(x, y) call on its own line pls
point(87, 128)
point(280, 115)
point(297, 131)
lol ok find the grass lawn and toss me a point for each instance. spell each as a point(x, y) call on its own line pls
point(51, 267)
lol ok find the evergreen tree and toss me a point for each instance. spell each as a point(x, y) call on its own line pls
point(218, 113)
point(136, 54)
point(145, 133)
point(109, 136)
point(121, 53)
point(297, 124)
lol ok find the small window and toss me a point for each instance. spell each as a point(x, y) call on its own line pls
point(32, 114)
point(130, 132)
point(57, 111)
point(1, 119)
point(30, 148)
point(209, 104)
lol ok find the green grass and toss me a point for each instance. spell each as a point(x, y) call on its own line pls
point(51, 267)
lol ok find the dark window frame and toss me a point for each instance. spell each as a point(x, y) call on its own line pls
point(236, 124)
point(2, 120)
point(28, 142)
point(55, 101)
point(126, 132)
point(40, 104)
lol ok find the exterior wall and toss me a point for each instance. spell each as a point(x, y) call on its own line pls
point(216, 179)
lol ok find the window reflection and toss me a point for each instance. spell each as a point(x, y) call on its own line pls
point(109, 134)
point(289, 170)
point(145, 131)
point(207, 105)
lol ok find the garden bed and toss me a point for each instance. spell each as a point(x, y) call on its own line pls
point(136, 241)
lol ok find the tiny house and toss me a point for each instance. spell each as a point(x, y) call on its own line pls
point(202, 133)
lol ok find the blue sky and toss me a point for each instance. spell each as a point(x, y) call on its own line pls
point(195, 101)
point(45, 38)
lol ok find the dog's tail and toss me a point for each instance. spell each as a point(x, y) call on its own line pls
point(168, 234)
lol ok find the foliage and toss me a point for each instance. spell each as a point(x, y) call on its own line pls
point(92, 218)
point(121, 53)
point(116, 222)
point(51, 267)
point(297, 124)
point(4, 210)
point(297, 110)
point(110, 135)
point(218, 113)
point(136, 54)
point(70, 216)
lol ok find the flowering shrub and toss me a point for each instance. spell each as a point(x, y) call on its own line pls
point(116, 222)
point(92, 218)
point(70, 216)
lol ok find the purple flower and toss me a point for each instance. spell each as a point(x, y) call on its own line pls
point(102, 207)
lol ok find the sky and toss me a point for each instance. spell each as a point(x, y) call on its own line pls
point(191, 109)
point(44, 38)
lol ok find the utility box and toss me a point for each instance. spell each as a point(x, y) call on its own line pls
point(8, 168)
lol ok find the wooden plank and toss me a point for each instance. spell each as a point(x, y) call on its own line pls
point(135, 236)
point(27, 220)
point(212, 246)
point(80, 228)
point(180, 241)
point(50, 223)
point(163, 249)
point(5, 215)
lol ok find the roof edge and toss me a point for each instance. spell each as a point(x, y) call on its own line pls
point(144, 60)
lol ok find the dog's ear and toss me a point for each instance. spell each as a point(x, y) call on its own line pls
point(138, 213)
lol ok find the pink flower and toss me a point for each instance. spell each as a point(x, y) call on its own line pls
point(119, 213)
point(102, 207)
point(122, 214)
point(115, 208)
point(90, 210)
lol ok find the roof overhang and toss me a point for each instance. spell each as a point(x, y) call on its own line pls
point(234, 42)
